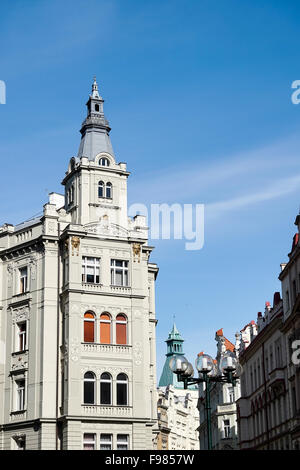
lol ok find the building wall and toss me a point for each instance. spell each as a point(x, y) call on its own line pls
point(182, 420)
point(269, 407)
point(55, 358)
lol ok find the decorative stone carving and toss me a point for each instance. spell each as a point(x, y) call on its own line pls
point(33, 263)
point(75, 242)
point(20, 314)
point(10, 270)
point(136, 248)
point(137, 353)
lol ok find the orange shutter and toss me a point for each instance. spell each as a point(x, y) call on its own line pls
point(121, 333)
point(105, 329)
point(89, 328)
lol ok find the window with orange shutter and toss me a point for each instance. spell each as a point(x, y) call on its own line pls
point(89, 327)
point(121, 329)
point(105, 324)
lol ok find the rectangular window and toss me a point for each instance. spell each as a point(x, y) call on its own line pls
point(105, 442)
point(89, 441)
point(20, 385)
point(287, 296)
point(119, 272)
point(122, 441)
point(231, 394)
point(91, 270)
point(21, 336)
point(226, 426)
point(65, 271)
point(23, 280)
point(278, 353)
point(294, 290)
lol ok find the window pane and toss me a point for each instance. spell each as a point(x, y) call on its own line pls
point(121, 333)
point(89, 388)
point(104, 333)
point(105, 393)
point(89, 334)
point(121, 394)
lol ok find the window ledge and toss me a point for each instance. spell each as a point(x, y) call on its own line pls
point(19, 353)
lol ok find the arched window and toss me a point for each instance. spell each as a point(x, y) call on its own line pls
point(97, 107)
point(108, 190)
point(122, 390)
point(89, 388)
point(100, 189)
point(89, 327)
point(105, 389)
point(121, 329)
point(104, 161)
point(105, 323)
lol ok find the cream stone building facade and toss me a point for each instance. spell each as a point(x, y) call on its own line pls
point(178, 417)
point(77, 312)
point(223, 399)
point(269, 407)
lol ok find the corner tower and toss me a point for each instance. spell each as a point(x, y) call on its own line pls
point(174, 347)
point(95, 184)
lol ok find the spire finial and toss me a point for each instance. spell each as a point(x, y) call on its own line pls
point(95, 92)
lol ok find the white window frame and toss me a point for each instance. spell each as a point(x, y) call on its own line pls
point(108, 187)
point(226, 428)
point(104, 159)
point(89, 442)
point(124, 272)
point(20, 395)
point(110, 381)
point(21, 337)
point(122, 382)
point(87, 263)
point(106, 442)
point(122, 443)
point(94, 381)
point(23, 280)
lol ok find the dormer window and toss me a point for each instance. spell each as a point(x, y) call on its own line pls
point(104, 161)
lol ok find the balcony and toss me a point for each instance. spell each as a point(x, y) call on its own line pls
point(120, 290)
point(98, 348)
point(92, 287)
point(107, 411)
point(18, 415)
point(20, 299)
point(277, 380)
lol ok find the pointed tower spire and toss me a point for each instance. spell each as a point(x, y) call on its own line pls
point(95, 128)
point(174, 347)
point(95, 92)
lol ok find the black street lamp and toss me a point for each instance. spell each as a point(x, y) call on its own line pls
point(227, 371)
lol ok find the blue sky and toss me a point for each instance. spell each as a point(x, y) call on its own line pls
point(198, 94)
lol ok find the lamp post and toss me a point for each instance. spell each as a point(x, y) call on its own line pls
point(228, 371)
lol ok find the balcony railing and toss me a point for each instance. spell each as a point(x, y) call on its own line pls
point(103, 410)
point(18, 415)
point(121, 289)
point(92, 287)
point(105, 348)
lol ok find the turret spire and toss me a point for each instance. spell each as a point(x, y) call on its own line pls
point(95, 128)
point(95, 91)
